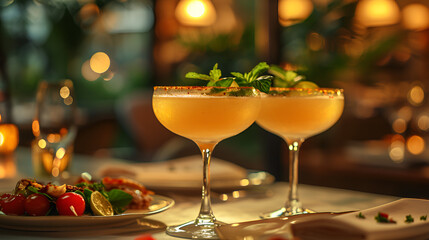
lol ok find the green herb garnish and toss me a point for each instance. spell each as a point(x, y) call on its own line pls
point(409, 219)
point(119, 199)
point(254, 78)
point(360, 215)
point(423, 218)
point(383, 218)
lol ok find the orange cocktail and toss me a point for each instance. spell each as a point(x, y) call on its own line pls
point(205, 115)
point(296, 114)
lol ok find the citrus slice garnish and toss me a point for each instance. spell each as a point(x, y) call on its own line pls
point(100, 205)
point(306, 84)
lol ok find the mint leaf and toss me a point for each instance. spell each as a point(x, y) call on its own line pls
point(225, 82)
point(263, 84)
point(214, 76)
point(118, 198)
point(259, 69)
point(200, 76)
point(215, 73)
point(284, 78)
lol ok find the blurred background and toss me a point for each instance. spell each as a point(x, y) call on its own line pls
point(115, 51)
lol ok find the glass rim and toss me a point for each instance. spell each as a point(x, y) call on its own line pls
point(306, 89)
point(198, 87)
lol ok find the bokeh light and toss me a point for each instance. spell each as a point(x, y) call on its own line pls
point(416, 95)
point(415, 144)
point(293, 11)
point(99, 62)
point(415, 17)
point(376, 13)
point(87, 72)
point(196, 12)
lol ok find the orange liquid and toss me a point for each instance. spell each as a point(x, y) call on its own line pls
point(206, 118)
point(299, 117)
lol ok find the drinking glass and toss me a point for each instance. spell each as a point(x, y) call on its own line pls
point(54, 128)
point(205, 115)
point(296, 114)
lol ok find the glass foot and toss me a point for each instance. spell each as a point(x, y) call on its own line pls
point(194, 230)
point(285, 212)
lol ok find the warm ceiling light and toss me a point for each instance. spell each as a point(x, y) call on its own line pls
point(415, 17)
point(293, 11)
point(199, 13)
point(376, 13)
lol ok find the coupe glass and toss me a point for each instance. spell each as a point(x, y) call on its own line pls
point(296, 114)
point(205, 115)
point(54, 129)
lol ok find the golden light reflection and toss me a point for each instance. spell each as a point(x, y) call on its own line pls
point(53, 137)
point(293, 11)
point(9, 138)
point(68, 101)
point(376, 13)
point(35, 126)
point(99, 62)
point(399, 125)
point(1, 139)
point(415, 144)
point(416, 95)
point(423, 122)
point(405, 113)
point(41, 143)
point(196, 12)
point(60, 153)
point(64, 92)
point(397, 148)
point(87, 72)
point(415, 17)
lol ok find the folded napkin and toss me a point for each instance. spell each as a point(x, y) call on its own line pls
point(186, 171)
point(349, 226)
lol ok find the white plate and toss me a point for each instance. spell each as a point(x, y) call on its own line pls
point(262, 229)
point(66, 223)
point(339, 226)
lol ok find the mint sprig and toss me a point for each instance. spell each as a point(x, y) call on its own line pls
point(250, 79)
point(284, 78)
point(254, 78)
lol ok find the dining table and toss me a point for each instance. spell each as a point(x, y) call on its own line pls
point(245, 208)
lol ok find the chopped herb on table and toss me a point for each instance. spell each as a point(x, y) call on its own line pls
point(423, 218)
point(383, 218)
point(360, 215)
point(409, 219)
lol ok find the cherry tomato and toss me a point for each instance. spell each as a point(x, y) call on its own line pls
point(70, 204)
point(14, 205)
point(36, 205)
point(3, 197)
point(144, 237)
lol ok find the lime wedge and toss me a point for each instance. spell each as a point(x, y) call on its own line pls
point(306, 84)
point(100, 205)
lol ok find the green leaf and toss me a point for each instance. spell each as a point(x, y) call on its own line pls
point(215, 73)
point(200, 76)
point(225, 82)
point(119, 198)
point(237, 75)
point(259, 69)
point(35, 190)
point(262, 83)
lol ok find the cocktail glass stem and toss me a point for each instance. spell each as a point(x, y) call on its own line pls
point(206, 213)
point(203, 227)
point(293, 205)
